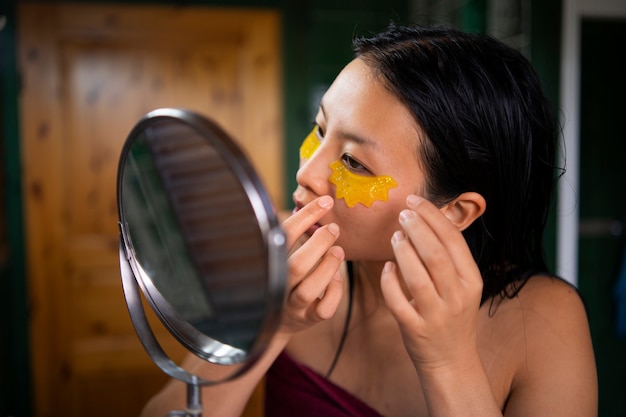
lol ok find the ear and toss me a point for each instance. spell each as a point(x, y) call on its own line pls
point(463, 210)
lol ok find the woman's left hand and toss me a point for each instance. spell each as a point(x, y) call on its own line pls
point(434, 290)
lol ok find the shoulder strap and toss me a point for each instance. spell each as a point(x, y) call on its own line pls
point(344, 334)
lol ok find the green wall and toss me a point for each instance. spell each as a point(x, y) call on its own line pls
point(14, 369)
point(602, 199)
point(545, 35)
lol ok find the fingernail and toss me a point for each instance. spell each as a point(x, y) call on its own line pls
point(325, 201)
point(412, 200)
point(337, 276)
point(336, 252)
point(407, 214)
point(397, 236)
point(334, 229)
point(388, 266)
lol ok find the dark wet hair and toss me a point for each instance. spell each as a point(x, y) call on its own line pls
point(489, 129)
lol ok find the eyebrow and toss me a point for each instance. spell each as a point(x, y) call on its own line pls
point(351, 136)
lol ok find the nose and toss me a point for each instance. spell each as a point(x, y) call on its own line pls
point(314, 172)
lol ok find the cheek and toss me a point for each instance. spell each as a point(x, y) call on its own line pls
point(367, 229)
point(366, 232)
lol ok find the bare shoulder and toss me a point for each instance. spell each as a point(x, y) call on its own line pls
point(544, 306)
point(552, 301)
point(558, 371)
point(554, 320)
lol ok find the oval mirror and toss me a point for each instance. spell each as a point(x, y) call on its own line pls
point(200, 236)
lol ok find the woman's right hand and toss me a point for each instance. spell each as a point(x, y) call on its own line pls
point(314, 284)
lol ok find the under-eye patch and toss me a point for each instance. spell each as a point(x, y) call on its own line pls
point(355, 188)
point(310, 144)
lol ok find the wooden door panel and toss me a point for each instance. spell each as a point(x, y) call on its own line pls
point(109, 89)
point(90, 72)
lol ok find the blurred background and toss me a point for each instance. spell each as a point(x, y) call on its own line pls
point(76, 76)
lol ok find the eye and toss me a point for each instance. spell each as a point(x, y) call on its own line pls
point(354, 165)
point(318, 131)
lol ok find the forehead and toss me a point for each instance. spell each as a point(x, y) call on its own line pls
point(358, 103)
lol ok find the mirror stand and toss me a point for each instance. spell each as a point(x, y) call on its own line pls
point(152, 346)
point(194, 402)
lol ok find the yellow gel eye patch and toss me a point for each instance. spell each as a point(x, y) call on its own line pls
point(359, 188)
point(310, 144)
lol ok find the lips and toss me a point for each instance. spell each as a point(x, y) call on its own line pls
point(312, 229)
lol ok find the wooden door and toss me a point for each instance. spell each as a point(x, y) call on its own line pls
point(89, 72)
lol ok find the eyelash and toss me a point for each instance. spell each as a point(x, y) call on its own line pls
point(348, 160)
point(354, 165)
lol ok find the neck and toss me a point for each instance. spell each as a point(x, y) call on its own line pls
point(367, 284)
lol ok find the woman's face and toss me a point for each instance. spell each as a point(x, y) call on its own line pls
point(372, 134)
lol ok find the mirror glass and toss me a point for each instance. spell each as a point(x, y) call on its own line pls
point(201, 235)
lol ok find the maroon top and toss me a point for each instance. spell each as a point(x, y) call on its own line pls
point(293, 389)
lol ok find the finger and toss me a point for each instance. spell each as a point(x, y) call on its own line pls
point(309, 289)
point(399, 306)
point(298, 223)
point(448, 234)
point(415, 275)
point(327, 305)
point(304, 259)
point(431, 252)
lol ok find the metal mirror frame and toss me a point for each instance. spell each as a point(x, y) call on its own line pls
point(134, 278)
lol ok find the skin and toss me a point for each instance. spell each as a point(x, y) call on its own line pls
point(418, 343)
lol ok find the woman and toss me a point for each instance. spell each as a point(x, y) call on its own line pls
point(430, 170)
